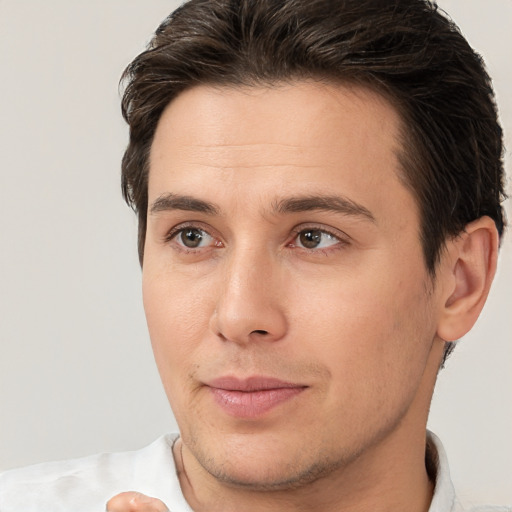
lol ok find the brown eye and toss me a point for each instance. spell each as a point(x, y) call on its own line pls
point(310, 239)
point(316, 239)
point(191, 237)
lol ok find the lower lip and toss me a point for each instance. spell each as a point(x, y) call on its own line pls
point(251, 404)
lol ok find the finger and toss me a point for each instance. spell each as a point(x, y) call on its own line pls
point(135, 502)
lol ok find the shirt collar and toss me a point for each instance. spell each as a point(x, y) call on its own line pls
point(444, 499)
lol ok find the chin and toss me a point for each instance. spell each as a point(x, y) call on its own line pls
point(264, 463)
point(269, 476)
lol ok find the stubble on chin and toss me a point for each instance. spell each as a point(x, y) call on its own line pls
point(310, 464)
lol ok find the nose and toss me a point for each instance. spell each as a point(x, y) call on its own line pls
point(248, 304)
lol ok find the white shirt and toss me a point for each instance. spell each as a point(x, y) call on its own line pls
point(85, 485)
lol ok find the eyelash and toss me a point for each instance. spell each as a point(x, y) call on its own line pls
point(177, 230)
point(343, 240)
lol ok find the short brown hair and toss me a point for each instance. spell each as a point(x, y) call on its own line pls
point(406, 49)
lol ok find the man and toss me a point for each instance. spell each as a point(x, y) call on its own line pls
point(318, 186)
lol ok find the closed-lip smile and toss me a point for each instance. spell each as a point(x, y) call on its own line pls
point(253, 396)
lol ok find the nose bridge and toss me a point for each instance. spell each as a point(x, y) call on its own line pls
point(248, 303)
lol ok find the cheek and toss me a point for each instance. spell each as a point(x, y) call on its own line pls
point(374, 334)
point(177, 314)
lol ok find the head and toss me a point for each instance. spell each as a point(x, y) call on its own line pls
point(397, 69)
point(407, 50)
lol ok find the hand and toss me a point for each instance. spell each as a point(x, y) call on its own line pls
point(135, 502)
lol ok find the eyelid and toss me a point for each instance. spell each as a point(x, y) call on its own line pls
point(172, 233)
point(342, 240)
point(178, 228)
point(336, 233)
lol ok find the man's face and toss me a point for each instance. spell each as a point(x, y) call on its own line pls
point(289, 308)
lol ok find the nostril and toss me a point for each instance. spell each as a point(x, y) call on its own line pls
point(259, 331)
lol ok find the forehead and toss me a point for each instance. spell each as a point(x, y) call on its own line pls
point(300, 138)
point(303, 115)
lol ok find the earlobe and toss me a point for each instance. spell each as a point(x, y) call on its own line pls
point(471, 265)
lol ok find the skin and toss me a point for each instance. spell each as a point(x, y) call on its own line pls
point(356, 321)
point(135, 502)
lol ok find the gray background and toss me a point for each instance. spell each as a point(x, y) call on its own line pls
point(76, 369)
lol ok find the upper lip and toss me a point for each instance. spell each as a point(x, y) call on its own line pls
point(256, 383)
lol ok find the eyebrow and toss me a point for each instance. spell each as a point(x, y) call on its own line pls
point(171, 201)
point(337, 204)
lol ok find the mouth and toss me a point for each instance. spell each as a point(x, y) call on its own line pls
point(252, 397)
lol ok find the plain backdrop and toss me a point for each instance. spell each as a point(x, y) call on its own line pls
point(76, 370)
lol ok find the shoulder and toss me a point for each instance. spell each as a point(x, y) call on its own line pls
point(86, 484)
point(444, 498)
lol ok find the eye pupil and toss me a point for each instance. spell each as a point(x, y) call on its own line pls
point(310, 238)
point(191, 237)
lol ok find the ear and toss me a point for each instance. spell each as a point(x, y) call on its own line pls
point(468, 271)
